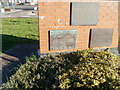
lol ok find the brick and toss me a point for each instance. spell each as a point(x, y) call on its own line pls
point(102, 4)
point(54, 7)
point(44, 14)
point(103, 14)
point(51, 14)
point(104, 8)
point(53, 21)
point(44, 22)
point(49, 24)
point(44, 41)
point(60, 17)
point(43, 7)
point(85, 44)
point(83, 41)
point(64, 28)
point(40, 4)
point(62, 14)
point(41, 25)
point(49, 11)
point(82, 46)
point(43, 49)
point(41, 11)
point(67, 24)
point(44, 44)
point(73, 27)
point(44, 33)
point(83, 37)
point(43, 37)
point(49, 17)
point(65, 21)
point(61, 3)
point(65, 7)
point(50, 3)
point(59, 24)
point(60, 11)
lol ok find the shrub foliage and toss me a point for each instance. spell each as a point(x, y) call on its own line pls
point(86, 70)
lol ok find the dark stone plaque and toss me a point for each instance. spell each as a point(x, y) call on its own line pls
point(62, 39)
point(84, 13)
point(101, 37)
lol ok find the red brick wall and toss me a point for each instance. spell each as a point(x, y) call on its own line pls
point(56, 16)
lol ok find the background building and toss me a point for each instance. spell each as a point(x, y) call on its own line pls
point(19, 1)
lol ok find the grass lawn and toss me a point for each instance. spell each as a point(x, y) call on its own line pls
point(19, 31)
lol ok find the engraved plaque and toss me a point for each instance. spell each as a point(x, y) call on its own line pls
point(62, 39)
point(84, 13)
point(101, 37)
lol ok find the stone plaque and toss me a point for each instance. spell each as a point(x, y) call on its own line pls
point(62, 39)
point(84, 13)
point(101, 37)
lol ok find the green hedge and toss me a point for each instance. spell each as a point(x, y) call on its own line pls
point(86, 70)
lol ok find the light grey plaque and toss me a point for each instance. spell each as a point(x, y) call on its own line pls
point(84, 13)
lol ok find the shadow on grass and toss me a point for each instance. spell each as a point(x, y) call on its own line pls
point(9, 41)
point(16, 55)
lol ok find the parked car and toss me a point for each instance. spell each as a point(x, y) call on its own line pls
point(21, 3)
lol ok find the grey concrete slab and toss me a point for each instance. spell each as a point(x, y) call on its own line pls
point(63, 39)
point(101, 37)
point(84, 13)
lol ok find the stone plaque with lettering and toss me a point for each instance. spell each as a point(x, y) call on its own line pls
point(63, 39)
point(101, 37)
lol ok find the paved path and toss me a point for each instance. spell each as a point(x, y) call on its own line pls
point(15, 56)
point(19, 13)
point(25, 7)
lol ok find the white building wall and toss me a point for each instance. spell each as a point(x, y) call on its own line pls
point(19, 1)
